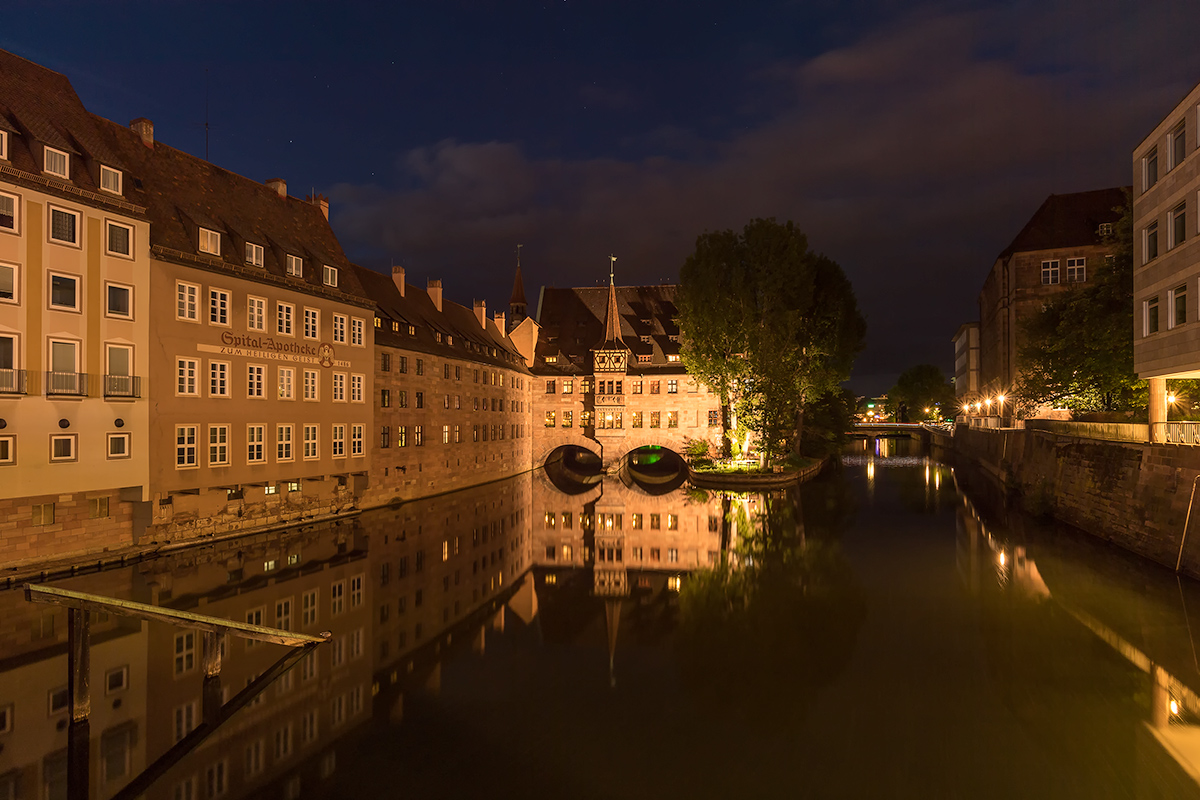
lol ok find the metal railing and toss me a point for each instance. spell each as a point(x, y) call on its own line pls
point(69, 383)
point(1178, 432)
point(14, 381)
point(122, 386)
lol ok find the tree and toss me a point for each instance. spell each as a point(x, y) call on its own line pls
point(769, 322)
point(1077, 351)
point(922, 387)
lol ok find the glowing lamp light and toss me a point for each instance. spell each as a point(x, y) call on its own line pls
point(927, 411)
point(1174, 706)
point(966, 406)
point(1000, 398)
point(1002, 558)
point(988, 402)
point(977, 406)
point(1171, 398)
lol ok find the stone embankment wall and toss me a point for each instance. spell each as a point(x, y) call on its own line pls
point(1135, 495)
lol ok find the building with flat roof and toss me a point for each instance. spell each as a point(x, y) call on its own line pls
point(1166, 258)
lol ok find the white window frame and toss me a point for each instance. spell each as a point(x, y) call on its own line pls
point(47, 152)
point(1172, 134)
point(312, 385)
point(254, 254)
point(287, 383)
point(1146, 183)
point(108, 224)
point(16, 201)
point(51, 210)
point(312, 323)
point(329, 276)
point(187, 377)
point(285, 319)
point(295, 266)
point(356, 389)
point(209, 242)
point(219, 373)
point(357, 332)
point(256, 313)
point(338, 392)
point(219, 301)
point(218, 445)
point(69, 438)
point(256, 381)
point(108, 312)
point(339, 328)
point(187, 443)
point(339, 440)
point(109, 172)
point(256, 442)
point(3, 145)
point(357, 432)
point(1076, 270)
point(8, 449)
point(1172, 322)
point(1146, 316)
point(117, 437)
point(187, 301)
point(285, 442)
point(311, 440)
point(16, 283)
point(1146, 257)
point(50, 304)
point(1180, 210)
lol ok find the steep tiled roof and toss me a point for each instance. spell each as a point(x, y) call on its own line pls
point(184, 193)
point(573, 321)
point(471, 341)
point(1068, 220)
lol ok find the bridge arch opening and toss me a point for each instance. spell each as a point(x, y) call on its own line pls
point(653, 469)
point(573, 469)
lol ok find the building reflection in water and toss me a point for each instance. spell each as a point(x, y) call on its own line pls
point(1148, 636)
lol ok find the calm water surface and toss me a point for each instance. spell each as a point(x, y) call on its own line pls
point(871, 635)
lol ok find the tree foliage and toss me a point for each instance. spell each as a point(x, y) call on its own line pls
point(921, 387)
point(768, 323)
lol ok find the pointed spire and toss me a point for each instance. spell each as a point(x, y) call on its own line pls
point(612, 320)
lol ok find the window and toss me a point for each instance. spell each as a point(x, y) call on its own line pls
point(402, 399)
point(445, 434)
point(312, 323)
point(210, 242)
point(550, 419)
point(256, 313)
point(185, 446)
point(1177, 222)
point(585, 419)
point(356, 335)
point(217, 780)
point(339, 333)
point(356, 388)
point(311, 385)
point(1150, 169)
point(185, 376)
point(566, 419)
point(654, 419)
point(654, 387)
point(643, 359)
point(1076, 270)
point(255, 444)
point(308, 607)
point(672, 386)
point(283, 442)
point(356, 591)
point(284, 313)
point(330, 275)
point(1177, 140)
point(62, 447)
point(672, 419)
point(311, 444)
point(42, 514)
point(339, 387)
point(295, 266)
point(1050, 272)
point(118, 446)
point(283, 614)
point(9, 204)
point(218, 307)
point(186, 295)
point(218, 445)
point(1106, 229)
point(418, 436)
point(1150, 316)
point(64, 292)
point(56, 162)
point(256, 380)
point(637, 419)
point(3, 155)
point(357, 432)
point(339, 441)
point(714, 418)
point(1178, 306)
point(402, 436)
point(185, 652)
point(420, 399)
point(118, 239)
point(673, 358)
point(286, 381)
point(185, 717)
point(1150, 243)
point(218, 379)
point(385, 436)
point(254, 254)
point(64, 226)
point(403, 365)
point(118, 301)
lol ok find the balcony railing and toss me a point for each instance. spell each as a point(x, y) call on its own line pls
point(1180, 432)
point(13, 381)
point(67, 383)
point(122, 386)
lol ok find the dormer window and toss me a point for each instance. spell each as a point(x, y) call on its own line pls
point(438, 335)
point(673, 358)
point(110, 179)
point(330, 275)
point(4, 145)
point(210, 242)
point(645, 340)
point(56, 162)
point(254, 254)
point(295, 266)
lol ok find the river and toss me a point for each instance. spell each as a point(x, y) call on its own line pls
point(876, 633)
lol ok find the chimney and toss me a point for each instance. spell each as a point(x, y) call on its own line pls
point(481, 312)
point(321, 202)
point(435, 292)
point(498, 318)
point(398, 278)
point(279, 185)
point(145, 129)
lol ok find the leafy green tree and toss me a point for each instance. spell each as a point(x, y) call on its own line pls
point(788, 317)
point(921, 387)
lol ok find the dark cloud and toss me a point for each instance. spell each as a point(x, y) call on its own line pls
point(911, 155)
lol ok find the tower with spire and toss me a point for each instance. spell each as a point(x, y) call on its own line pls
point(516, 303)
point(610, 363)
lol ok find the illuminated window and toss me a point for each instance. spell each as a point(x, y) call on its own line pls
point(254, 254)
point(210, 242)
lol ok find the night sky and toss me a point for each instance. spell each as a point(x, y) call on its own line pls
point(911, 141)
